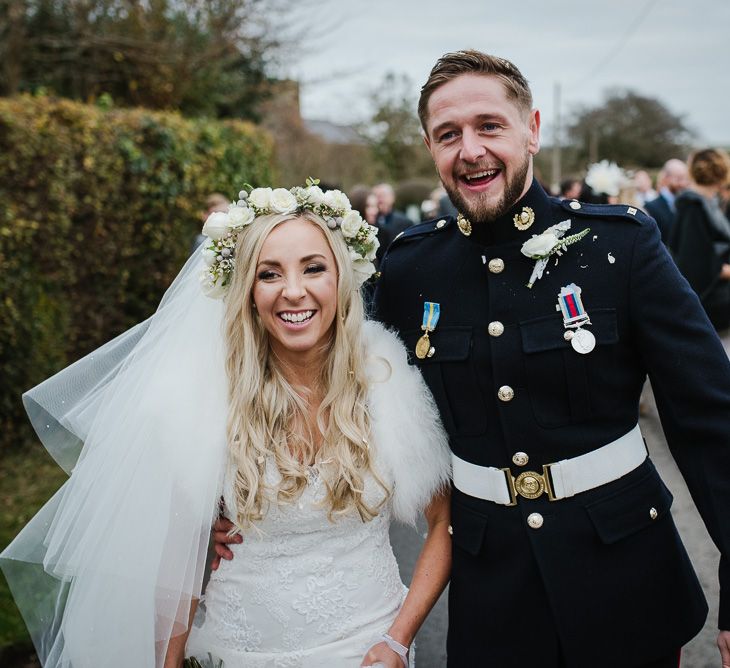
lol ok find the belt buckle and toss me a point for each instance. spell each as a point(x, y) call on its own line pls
point(529, 484)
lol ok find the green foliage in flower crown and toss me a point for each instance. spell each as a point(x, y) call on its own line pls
point(98, 211)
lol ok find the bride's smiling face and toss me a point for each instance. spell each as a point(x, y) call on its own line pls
point(295, 289)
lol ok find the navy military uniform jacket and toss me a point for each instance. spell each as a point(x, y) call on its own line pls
point(604, 581)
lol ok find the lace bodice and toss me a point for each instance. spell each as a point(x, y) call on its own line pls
point(302, 590)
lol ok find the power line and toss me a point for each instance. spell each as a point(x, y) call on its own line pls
point(633, 27)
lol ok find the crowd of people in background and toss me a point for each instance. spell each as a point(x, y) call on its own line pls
point(690, 202)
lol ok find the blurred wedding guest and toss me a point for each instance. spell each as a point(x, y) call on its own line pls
point(700, 238)
point(570, 189)
point(644, 188)
point(629, 195)
point(213, 202)
point(390, 223)
point(387, 215)
point(672, 180)
point(432, 207)
point(363, 200)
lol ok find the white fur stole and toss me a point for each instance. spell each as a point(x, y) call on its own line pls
point(410, 443)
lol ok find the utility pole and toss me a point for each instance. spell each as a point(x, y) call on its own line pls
point(557, 175)
point(593, 146)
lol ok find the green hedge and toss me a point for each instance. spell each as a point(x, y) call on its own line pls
point(98, 211)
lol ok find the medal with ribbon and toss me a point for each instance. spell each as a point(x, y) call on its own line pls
point(431, 313)
point(570, 304)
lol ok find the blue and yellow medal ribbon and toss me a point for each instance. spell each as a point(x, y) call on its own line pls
point(431, 313)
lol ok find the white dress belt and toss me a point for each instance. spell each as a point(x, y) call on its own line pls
point(559, 480)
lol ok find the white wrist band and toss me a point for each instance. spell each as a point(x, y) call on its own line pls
point(400, 650)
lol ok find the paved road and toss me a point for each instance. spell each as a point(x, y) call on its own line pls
point(700, 653)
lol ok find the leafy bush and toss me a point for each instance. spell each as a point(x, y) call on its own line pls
point(98, 211)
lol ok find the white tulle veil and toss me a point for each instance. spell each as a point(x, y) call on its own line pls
point(105, 572)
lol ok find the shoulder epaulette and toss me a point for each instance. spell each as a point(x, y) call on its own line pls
point(625, 211)
point(425, 229)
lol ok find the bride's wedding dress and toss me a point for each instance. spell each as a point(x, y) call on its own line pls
point(303, 591)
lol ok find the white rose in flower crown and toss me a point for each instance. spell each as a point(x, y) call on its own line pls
point(337, 200)
point(212, 289)
point(282, 201)
point(364, 269)
point(217, 225)
point(315, 195)
point(540, 245)
point(260, 198)
point(240, 216)
point(372, 233)
point(351, 224)
point(209, 256)
point(370, 255)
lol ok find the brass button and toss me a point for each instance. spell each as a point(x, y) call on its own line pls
point(520, 458)
point(506, 393)
point(440, 224)
point(574, 205)
point(653, 513)
point(495, 328)
point(451, 530)
point(496, 265)
point(534, 520)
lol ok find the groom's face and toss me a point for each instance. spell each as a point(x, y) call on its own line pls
point(482, 142)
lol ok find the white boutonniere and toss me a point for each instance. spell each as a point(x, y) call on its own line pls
point(551, 242)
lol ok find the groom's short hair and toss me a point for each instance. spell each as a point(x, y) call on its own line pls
point(470, 61)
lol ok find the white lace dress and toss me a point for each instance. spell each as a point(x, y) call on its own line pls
point(305, 592)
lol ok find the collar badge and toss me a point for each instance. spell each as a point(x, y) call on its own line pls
point(524, 219)
point(464, 225)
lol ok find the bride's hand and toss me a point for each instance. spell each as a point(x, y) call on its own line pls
point(382, 656)
point(221, 540)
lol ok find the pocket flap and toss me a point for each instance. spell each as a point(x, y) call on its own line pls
point(631, 509)
point(468, 528)
point(546, 333)
point(450, 344)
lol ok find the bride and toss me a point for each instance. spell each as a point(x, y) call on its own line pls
point(273, 403)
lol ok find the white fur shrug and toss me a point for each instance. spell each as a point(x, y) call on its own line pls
point(408, 439)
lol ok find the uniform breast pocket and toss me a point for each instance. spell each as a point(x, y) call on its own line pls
point(557, 375)
point(451, 377)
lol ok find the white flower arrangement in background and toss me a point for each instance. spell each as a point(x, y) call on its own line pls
point(606, 177)
point(222, 229)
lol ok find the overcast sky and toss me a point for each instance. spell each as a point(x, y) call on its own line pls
point(674, 50)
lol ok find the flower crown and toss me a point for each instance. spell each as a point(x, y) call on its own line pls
point(222, 229)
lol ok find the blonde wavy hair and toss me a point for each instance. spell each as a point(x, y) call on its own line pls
point(267, 415)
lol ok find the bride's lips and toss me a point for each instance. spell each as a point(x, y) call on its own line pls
point(296, 319)
point(479, 180)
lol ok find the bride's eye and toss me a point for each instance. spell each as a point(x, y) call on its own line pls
point(315, 268)
point(266, 275)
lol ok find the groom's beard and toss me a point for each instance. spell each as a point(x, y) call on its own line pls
point(479, 209)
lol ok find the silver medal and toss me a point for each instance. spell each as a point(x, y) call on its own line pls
point(583, 341)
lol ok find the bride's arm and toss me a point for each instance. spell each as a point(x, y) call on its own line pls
point(176, 646)
point(429, 579)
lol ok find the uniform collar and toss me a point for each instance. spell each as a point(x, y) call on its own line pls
point(503, 230)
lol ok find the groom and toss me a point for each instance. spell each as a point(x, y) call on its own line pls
point(564, 549)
